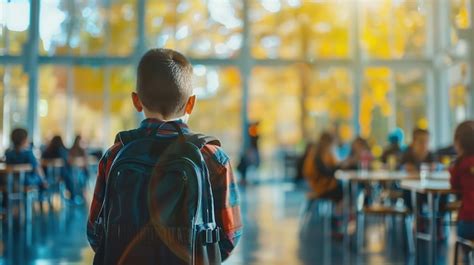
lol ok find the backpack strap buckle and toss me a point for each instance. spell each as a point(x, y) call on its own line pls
point(211, 236)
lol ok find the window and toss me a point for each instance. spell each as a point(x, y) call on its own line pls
point(459, 94)
point(88, 106)
point(299, 29)
point(328, 102)
point(376, 108)
point(211, 28)
point(218, 108)
point(393, 29)
point(52, 106)
point(275, 100)
point(411, 100)
point(392, 99)
point(14, 24)
point(123, 115)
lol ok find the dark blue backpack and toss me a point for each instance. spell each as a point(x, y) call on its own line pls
point(158, 206)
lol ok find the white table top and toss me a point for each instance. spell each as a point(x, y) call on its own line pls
point(385, 175)
point(428, 186)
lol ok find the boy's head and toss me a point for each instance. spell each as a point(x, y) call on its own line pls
point(421, 140)
point(19, 138)
point(164, 85)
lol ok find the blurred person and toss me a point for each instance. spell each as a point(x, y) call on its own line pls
point(78, 149)
point(359, 156)
point(251, 155)
point(393, 151)
point(22, 153)
point(56, 149)
point(79, 167)
point(319, 169)
point(462, 177)
point(418, 152)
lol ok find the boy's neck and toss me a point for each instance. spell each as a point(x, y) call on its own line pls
point(161, 118)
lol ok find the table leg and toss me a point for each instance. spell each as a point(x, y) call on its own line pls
point(433, 203)
point(9, 202)
point(346, 212)
point(414, 203)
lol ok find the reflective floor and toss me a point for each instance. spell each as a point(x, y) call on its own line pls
point(270, 237)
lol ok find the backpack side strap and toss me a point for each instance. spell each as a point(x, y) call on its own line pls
point(201, 140)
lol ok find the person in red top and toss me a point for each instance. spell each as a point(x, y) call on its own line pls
point(462, 177)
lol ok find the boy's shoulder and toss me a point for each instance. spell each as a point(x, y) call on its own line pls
point(216, 153)
point(212, 150)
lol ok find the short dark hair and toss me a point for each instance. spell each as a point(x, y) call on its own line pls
point(164, 81)
point(464, 135)
point(418, 131)
point(18, 137)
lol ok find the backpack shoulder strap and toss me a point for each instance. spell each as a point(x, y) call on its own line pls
point(200, 140)
point(126, 137)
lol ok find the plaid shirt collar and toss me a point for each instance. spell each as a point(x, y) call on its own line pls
point(163, 126)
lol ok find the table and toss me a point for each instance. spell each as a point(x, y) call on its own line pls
point(380, 176)
point(433, 188)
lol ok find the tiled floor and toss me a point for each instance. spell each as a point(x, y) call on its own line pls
point(270, 214)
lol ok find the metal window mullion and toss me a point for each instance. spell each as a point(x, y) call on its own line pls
point(107, 114)
point(471, 60)
point(107, 109)
point(441, 40)
point(70, 105)
point(70, 131)
point(6, 92)
point(245, 64)
point(141, 46)
point(357, 67)
point(31, 64)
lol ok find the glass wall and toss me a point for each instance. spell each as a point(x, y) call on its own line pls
point(367, 70)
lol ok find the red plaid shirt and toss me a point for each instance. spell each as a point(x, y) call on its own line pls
point(224, 187)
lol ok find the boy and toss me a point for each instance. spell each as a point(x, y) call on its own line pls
point(164, 93)
point(22, 154)
point(418, 153)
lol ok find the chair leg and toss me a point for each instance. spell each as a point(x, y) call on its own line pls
point(471, 258)
point(456, 251)
point(360, 231)
point(29, 218)
point(306, 215)
point(409, 233)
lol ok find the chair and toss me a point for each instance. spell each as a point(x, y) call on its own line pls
point(468, 245)
point(315, 205)
point(53, 174)
point(380, 210)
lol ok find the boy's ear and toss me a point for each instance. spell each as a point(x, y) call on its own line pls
point(190, 105)
point(137, 102)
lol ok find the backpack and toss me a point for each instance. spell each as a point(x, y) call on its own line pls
point(158, 206)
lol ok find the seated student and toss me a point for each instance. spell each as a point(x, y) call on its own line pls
point(319, 168)
point(360, 155)
point(56, 150)
point(78, 159)
point(21, 153)
point(164, 94)
point(394, 149)
point(418, 152)
point(462, 177)
point(77, 149)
